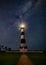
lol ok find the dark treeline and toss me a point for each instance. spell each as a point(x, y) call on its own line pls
point(4, 48)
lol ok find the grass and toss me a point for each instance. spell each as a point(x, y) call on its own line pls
point(37, 58)
point(13, 58)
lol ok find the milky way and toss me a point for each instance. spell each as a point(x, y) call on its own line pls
point(30, 11)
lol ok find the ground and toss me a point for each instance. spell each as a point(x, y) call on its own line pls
point(24, 60)
point(14, 58)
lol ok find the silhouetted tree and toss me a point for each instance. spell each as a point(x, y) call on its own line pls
point(9, 49)
point(5, 48)
point(0, 47)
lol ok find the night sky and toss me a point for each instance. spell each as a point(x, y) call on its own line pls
point(33, 13)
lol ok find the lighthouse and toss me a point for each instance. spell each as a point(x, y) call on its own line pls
point(23, 47)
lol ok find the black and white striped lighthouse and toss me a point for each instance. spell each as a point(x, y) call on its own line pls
point(23, 47)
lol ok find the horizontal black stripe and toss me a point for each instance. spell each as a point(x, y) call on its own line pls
point(22, 33)
point(23, 41)
point(23, 47)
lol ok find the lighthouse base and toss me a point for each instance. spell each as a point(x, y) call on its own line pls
point(23, 50)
